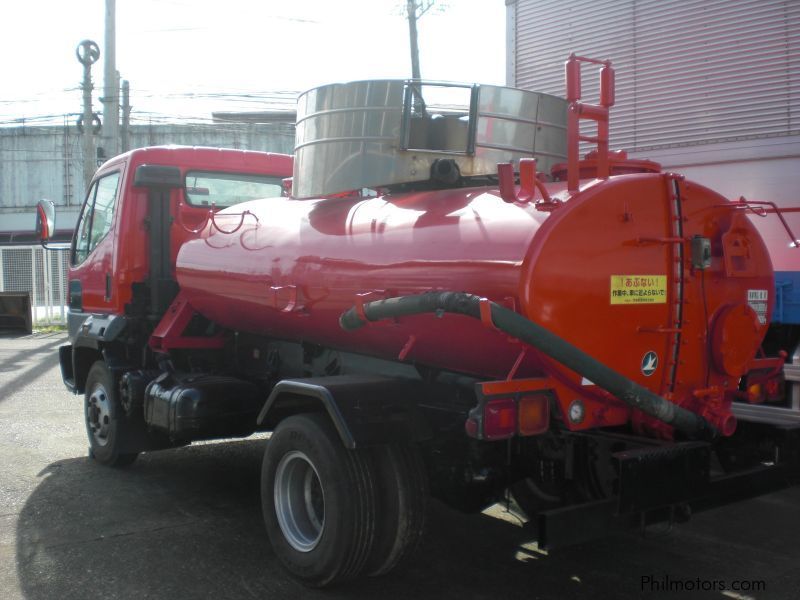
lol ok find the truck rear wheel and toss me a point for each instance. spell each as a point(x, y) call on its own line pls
point(105, 419)
point(319, 501)
point(402, 500)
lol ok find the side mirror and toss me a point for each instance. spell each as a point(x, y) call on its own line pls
point(45, 220)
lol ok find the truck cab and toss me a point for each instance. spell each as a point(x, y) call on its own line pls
point(131, 228)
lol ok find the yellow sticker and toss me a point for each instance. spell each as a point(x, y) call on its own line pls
point(638, 289)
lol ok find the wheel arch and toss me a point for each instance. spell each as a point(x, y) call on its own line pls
point(92, 338)
point(82, 360)
point(365, 410)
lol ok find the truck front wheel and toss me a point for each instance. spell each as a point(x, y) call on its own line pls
point(319, 501)
point(105, 420)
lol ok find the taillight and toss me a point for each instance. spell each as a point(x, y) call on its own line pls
point(499, 419)
point(534, 414)
point(761, 389)
point(755, 394)
point(775, 389)
point(502, 418)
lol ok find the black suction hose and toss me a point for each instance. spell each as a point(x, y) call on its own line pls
point(546, 342)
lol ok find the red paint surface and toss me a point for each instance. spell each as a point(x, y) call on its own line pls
point(291, 275)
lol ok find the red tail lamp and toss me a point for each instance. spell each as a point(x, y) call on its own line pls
point(775, 389)
point(499, 419)
point(502, 418)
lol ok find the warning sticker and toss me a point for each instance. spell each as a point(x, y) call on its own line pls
point(638, 289)
point(757, 300)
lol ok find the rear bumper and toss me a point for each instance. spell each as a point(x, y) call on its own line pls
point(665, 485)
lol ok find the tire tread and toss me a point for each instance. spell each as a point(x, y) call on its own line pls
point(407, 474)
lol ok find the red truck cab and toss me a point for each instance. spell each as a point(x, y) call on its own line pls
point(122, 231)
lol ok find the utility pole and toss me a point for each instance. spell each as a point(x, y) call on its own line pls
point(126, 117)
point(67, 177)
point(110, 85)
point(88, 52)
point(414, 10)
point(411, 11)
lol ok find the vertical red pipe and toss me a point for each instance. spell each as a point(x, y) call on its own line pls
point(606, 101)
point(572, 76)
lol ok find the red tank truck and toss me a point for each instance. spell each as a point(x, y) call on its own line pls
point(418, 318)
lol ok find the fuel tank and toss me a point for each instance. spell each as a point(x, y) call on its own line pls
point(659, 278)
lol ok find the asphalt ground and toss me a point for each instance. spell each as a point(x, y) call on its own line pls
point(186, 524)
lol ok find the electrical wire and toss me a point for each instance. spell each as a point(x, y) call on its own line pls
point(231, 100)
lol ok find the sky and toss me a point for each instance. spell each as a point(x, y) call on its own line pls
point(186, 58)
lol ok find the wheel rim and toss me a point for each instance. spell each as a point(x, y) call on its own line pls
point(299, 501)
point(98, 414)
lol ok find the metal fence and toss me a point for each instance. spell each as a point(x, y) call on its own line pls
point(42, 273)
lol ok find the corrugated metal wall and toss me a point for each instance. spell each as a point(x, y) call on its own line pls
point(46, 162)
point(688, 71)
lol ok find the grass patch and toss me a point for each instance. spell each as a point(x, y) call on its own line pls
point(49, 328)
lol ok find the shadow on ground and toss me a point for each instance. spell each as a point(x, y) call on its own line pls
point(46, 345)
point(186, 523)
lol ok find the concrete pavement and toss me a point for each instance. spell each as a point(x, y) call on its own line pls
point(186, 523)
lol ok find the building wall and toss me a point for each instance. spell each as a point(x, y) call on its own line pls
point(47, 162)
point(708, 88)
point(688, 71)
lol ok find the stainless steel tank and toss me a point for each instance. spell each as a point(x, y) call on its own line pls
point(368, 134)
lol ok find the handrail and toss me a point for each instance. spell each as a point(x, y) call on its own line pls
point(235, 229)
point(179, 220)
point(763, 213)
point(210, 217)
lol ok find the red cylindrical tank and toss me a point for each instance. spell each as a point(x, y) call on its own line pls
point(610, 270)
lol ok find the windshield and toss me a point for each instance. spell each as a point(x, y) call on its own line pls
point(226, 189)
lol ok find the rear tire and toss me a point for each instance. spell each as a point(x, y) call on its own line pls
point(318, 500)
point(402, 500)
point(106, 424)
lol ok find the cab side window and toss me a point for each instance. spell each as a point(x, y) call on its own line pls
point(96, 217)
